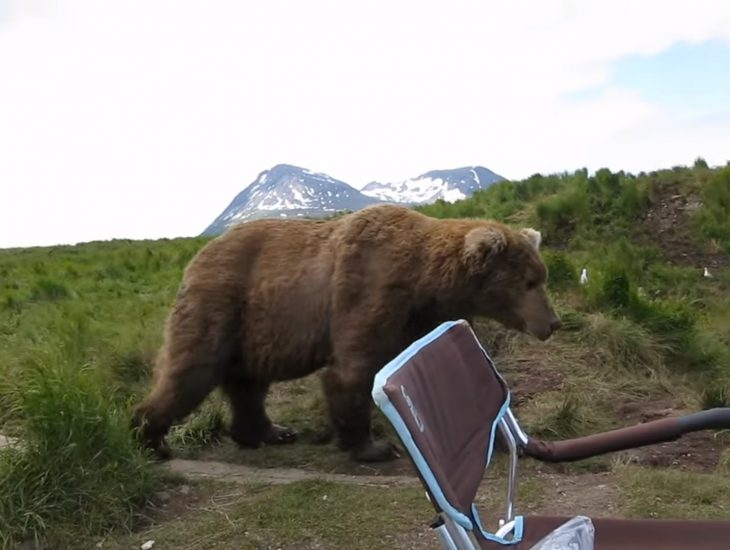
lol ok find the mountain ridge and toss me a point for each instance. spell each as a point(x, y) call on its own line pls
point(289, 191)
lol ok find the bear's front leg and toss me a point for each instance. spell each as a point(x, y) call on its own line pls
point(348, 393)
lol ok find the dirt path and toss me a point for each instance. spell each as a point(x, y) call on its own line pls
point(239, 473)
point(564, 493)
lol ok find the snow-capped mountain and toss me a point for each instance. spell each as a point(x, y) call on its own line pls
point(287, 191)
point(449, 185)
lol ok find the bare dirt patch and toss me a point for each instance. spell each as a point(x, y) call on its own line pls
point(667, 224)
point(696, 452)
point(529, 377)
point(592, 494)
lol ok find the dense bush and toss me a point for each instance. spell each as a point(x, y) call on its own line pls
point(561, 271)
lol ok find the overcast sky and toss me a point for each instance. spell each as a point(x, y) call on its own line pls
point(135, 119)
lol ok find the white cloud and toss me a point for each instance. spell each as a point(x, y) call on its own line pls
point(143, 119)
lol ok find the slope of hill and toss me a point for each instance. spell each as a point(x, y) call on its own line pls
point(446, 185)
point(647, 337)
point(287, 191)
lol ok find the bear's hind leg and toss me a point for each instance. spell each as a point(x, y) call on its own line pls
point(349, 401)
point(251, 425)
point(177, 393)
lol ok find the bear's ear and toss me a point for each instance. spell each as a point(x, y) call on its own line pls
point(483, 243)
point(533, 236)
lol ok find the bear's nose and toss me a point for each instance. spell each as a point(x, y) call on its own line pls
point(555, 324)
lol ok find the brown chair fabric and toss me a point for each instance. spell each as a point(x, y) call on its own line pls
point(631, 534)
point(456, 396)
point(446, 392)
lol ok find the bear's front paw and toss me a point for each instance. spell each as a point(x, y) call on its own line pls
point(379, 450)
point(161, 452)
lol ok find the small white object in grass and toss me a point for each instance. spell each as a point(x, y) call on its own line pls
point(147, 545)
point(6, 441)
point(707, 273)
point(584, 276)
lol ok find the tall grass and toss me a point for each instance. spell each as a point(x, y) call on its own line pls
point(78, 469)
point(622, 343)
point(79, 327)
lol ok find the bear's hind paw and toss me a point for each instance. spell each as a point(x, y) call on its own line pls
point(379, 450)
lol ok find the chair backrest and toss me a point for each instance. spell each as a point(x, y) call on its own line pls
point(445, 398)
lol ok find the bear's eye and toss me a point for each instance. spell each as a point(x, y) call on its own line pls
point(531, 283)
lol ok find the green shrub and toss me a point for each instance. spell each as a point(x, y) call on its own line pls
point(609, 287)
point(561, 271)
point(633, 200)
point(712, 220)
point(560, 214)
point(47, 289)
point(616, 289)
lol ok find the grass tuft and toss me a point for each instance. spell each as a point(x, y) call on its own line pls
point(205, 427)
point(48, 289)
point(622, 343)
point(77, 459)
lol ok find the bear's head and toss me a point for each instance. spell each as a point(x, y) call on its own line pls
point(507, 278)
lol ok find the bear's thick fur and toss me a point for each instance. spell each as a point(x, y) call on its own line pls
point(273, 300)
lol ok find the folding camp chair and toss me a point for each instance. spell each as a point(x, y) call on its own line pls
point(446, 401)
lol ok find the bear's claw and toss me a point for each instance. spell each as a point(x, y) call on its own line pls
point(281, 435)
point(275, 435)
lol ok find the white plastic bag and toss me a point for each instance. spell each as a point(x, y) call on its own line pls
point(575, 534)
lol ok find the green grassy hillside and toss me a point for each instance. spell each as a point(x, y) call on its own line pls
point(644, 240)
point(648, 335)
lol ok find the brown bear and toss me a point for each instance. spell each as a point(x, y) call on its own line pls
point(273, 300)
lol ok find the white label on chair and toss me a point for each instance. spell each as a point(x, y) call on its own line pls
point(414, 413)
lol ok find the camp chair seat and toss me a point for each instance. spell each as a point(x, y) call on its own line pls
point(448, 403)
point(630, 534)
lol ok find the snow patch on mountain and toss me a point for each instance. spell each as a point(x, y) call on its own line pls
point(288, 191)
point(448, 185)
